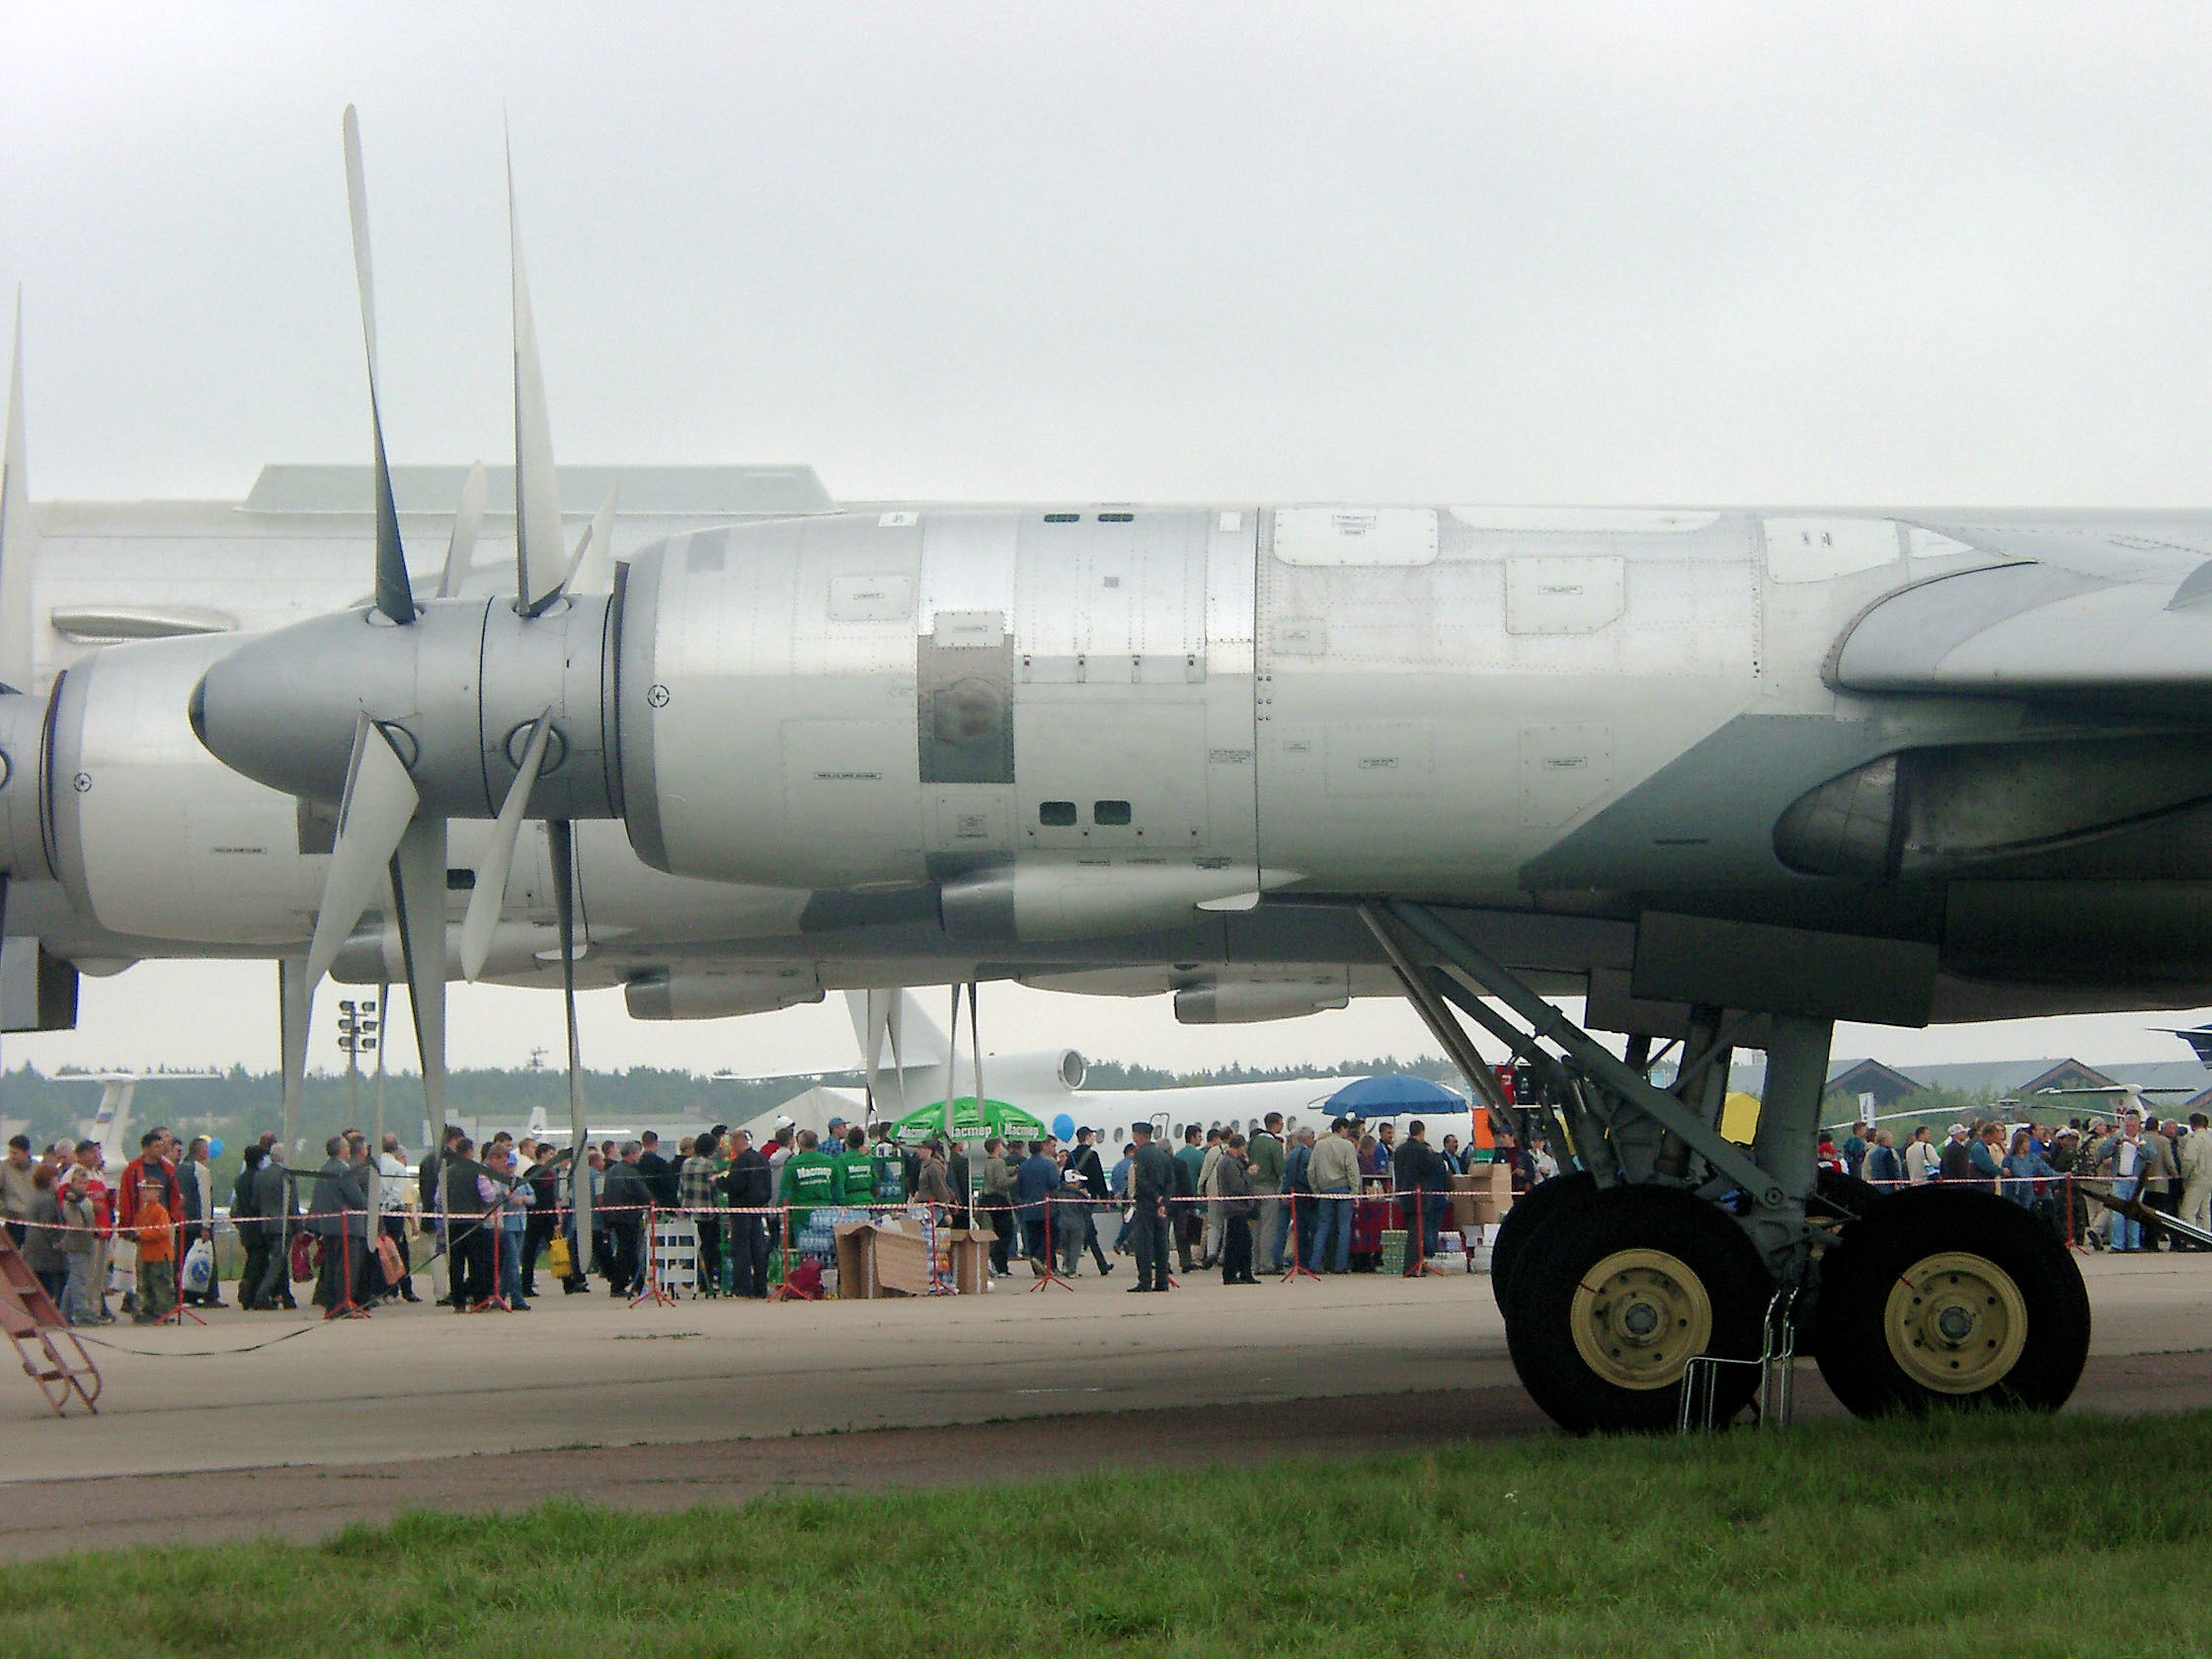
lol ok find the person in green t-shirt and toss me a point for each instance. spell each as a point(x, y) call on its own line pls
point(811, 1177)
point(856, 1170)
point(891, 1168)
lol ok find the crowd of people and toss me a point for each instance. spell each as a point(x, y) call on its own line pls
point(2079, 1176)
point(1220, 1201)
point(66, 1213)
point(1217, 1200)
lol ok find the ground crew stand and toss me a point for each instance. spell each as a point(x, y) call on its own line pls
point(51, 1353)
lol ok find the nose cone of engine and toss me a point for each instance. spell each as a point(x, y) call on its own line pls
point(282, 709)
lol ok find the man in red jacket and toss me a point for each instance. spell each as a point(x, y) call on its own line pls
point(156, 1160)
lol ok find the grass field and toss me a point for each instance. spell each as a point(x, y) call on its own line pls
point(1973, 1535)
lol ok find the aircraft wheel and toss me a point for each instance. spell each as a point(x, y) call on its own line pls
point(1615, 1298)
point(1942, 1297)
point(1530, 1212)
point(1840, 1197)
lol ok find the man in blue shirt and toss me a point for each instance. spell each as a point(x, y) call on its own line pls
point(1118, 1184)
point(1035, 1182)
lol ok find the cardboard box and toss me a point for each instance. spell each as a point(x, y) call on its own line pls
point(902, 1263)
point(856, 1261)
point(968, 1254)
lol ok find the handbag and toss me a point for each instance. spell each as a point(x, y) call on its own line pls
point(304, 1257)
point(387, 1258)
point(199, 1271)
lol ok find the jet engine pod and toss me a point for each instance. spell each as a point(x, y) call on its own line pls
point(687, 993)
point(1089, 897)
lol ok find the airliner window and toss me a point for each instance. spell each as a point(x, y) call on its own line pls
point(1109, 812)
point(1055, 815)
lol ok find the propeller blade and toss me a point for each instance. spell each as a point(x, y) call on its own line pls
point(540, 559)
point(591, 571)
point(395, 593)
point(418, 870)
point(489, 898)
point(562, 834)
point(381, 801)
point(466, 523)
point(15, 533)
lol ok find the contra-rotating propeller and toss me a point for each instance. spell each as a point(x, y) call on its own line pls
point(386, 828)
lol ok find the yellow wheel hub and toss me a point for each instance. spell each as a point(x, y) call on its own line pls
point(1955, 1322)
point(1638, 1317)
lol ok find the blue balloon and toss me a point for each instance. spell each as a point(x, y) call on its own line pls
point(1064, 1127)
point(215, 1148)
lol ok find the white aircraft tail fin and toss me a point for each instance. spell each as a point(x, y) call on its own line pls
point(111, 1122)
point(892, 1031)
point(902, 1049)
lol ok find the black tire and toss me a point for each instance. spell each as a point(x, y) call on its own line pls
point(1530, 1212)
point(2017, 1313)
point(1841, 1197)
point(1714, 1277)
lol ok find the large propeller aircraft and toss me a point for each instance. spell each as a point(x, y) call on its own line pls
point(1730, 775)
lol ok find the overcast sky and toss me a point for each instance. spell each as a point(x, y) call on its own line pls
point(1858, 253)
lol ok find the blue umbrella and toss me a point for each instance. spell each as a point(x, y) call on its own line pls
point(1393, 1097)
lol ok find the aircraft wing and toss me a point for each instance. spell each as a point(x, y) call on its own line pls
point(2068, 611)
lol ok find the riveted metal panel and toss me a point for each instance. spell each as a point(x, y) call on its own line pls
point(964, 677)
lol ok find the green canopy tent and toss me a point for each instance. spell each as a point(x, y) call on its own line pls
point(967, 1121)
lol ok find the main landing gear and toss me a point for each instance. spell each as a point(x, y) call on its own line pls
point(1669, 1242)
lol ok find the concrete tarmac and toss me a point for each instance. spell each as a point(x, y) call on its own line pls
point(357, 1420)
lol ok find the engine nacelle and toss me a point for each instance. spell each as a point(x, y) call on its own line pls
point(1032, 1077)
point(1048, 713)
point(690, 993)
point(23, 786)
point(1245, 1001)
point(154, 837)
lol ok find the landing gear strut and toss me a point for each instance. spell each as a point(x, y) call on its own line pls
point(1669, 1241)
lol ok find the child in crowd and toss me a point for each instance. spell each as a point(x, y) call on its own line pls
point(157, 1257)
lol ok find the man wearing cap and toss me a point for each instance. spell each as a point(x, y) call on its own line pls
point(1151, 1181)
point(1957, 1160)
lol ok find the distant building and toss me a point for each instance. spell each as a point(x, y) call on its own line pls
point(1886, 1084)
point(2066, 1075)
